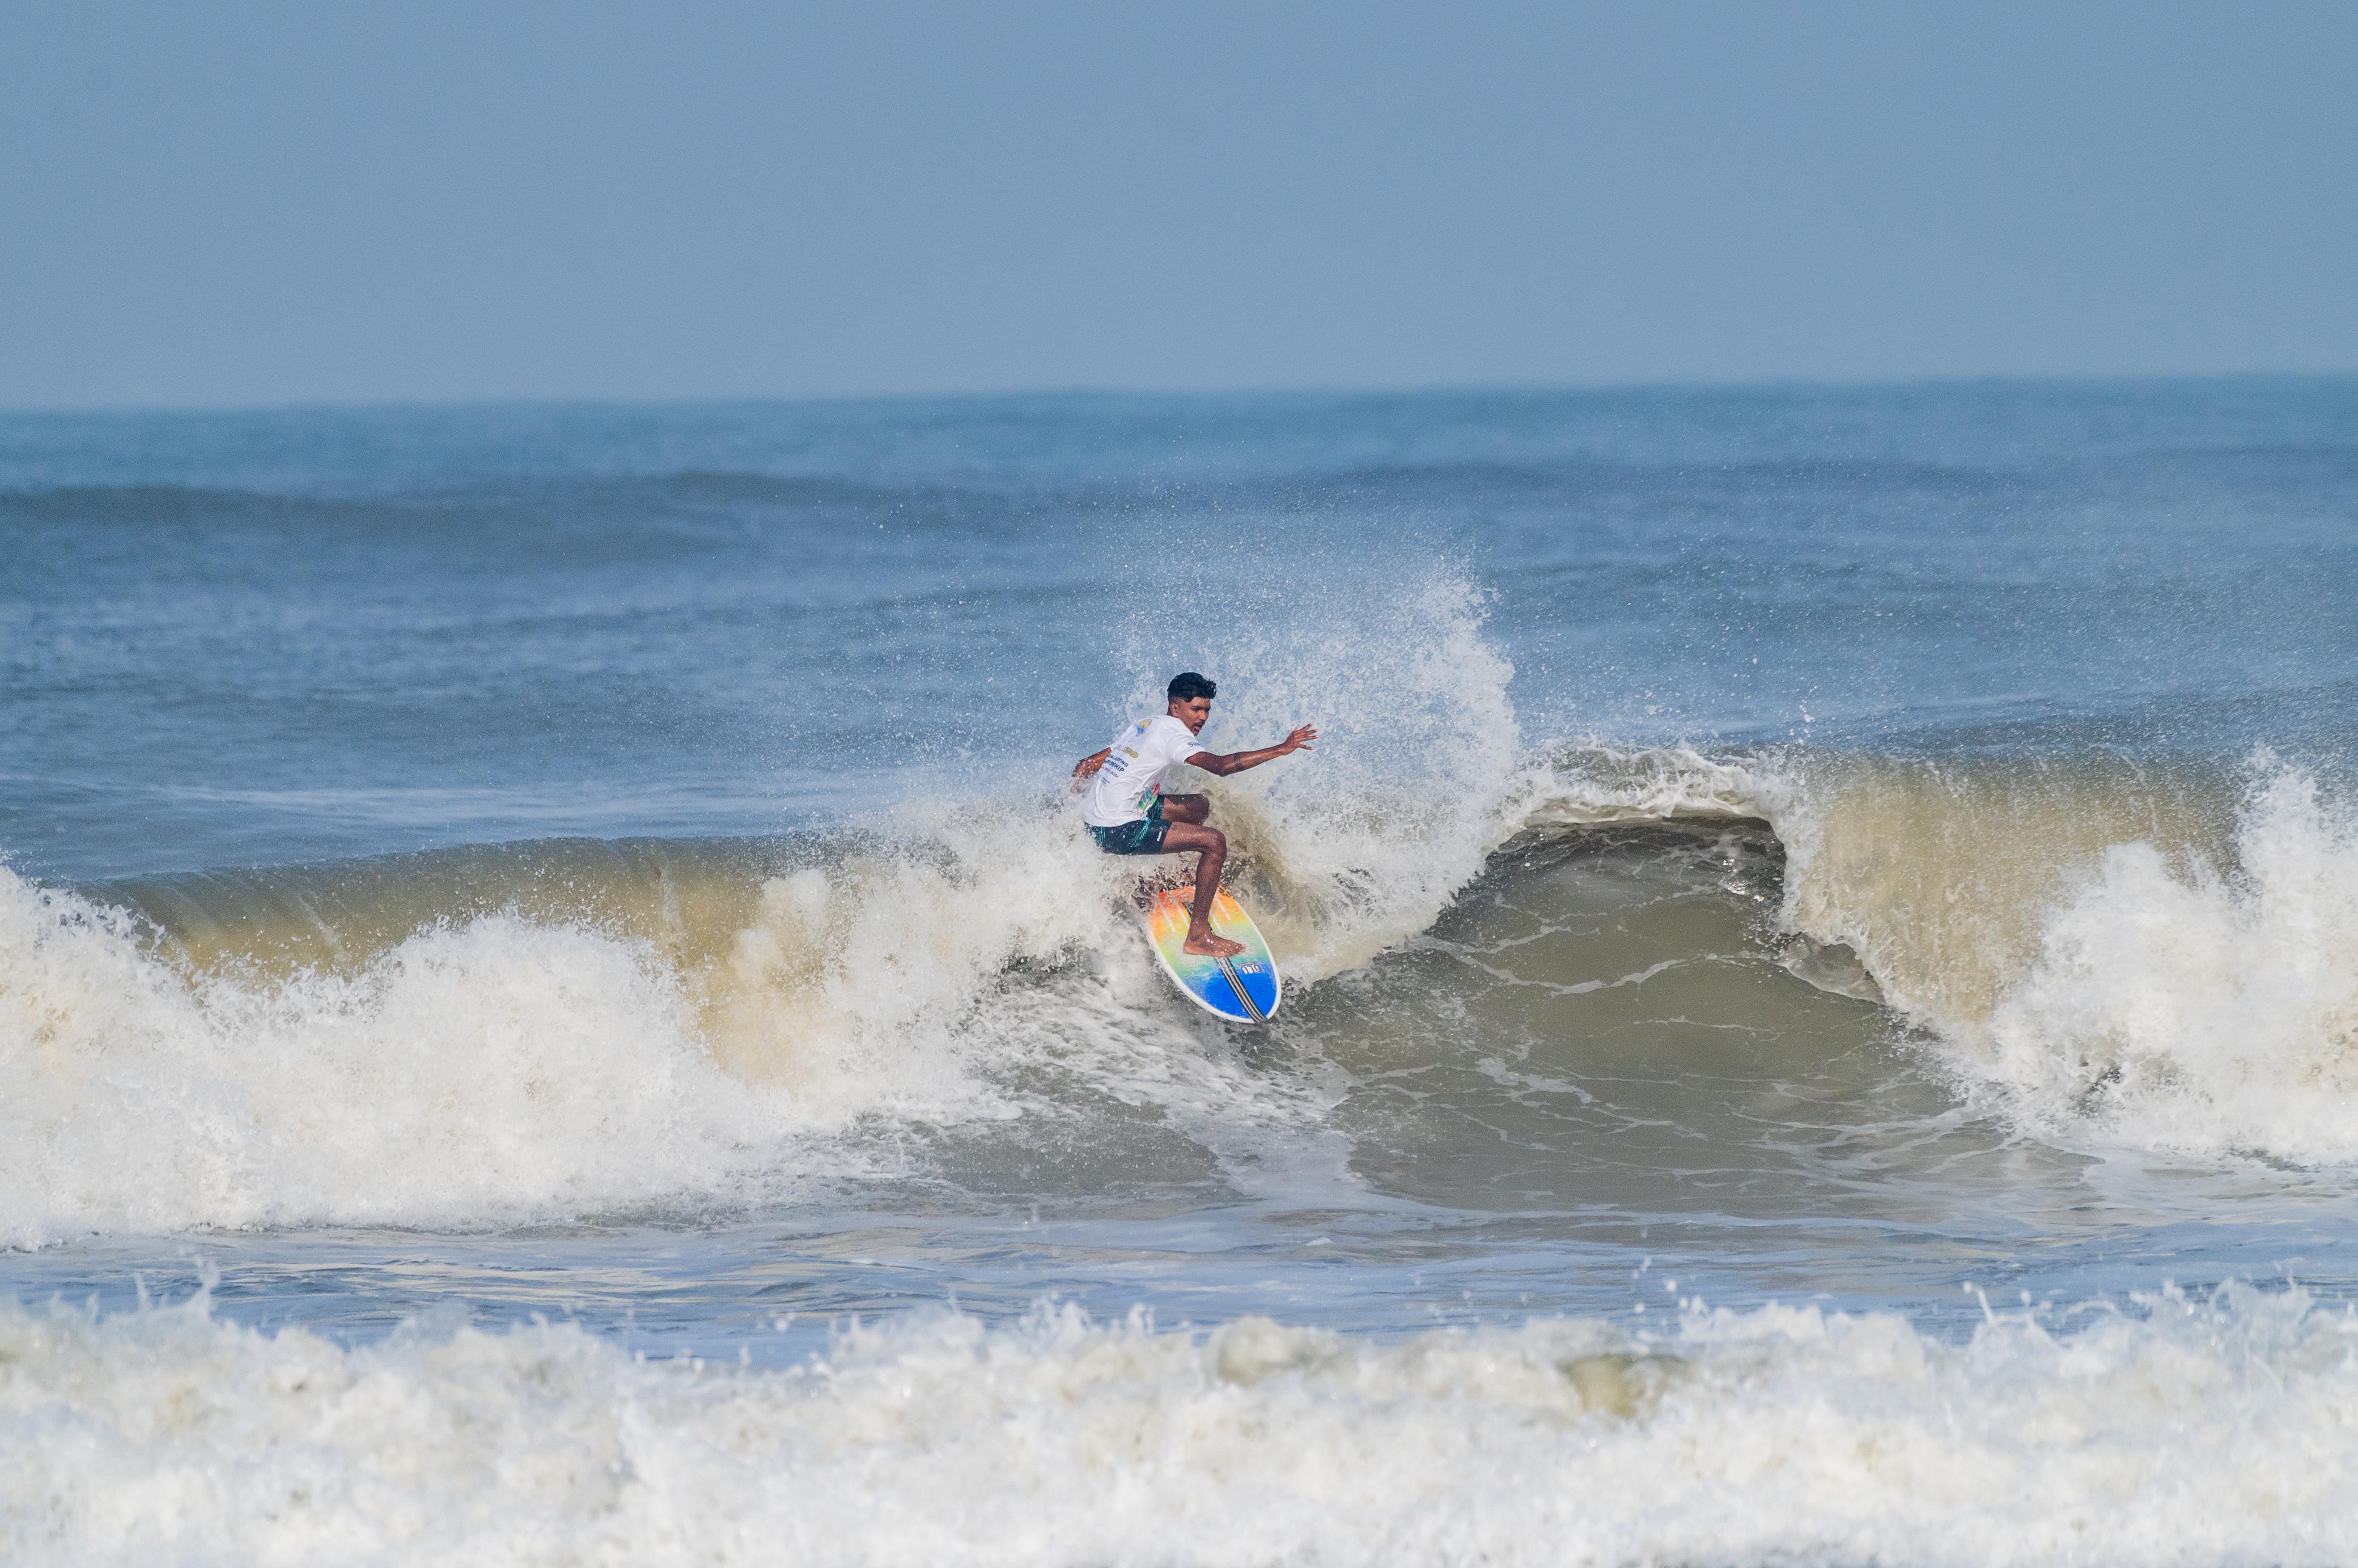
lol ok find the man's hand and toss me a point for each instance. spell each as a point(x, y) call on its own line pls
point(1220, 766)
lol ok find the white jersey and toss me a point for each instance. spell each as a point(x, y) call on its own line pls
point(1133, 769)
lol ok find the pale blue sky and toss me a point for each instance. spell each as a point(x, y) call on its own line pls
point(263, 203)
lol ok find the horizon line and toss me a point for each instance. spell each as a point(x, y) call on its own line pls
point(1734, 385)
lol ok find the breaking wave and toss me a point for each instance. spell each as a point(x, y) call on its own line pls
point(510, 1032)
point(2113, 952)
point(2121, 953)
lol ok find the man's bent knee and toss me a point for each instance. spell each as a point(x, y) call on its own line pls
point(1190, 809)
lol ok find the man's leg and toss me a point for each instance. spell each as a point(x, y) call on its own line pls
point(1212, 851)
point(1186, 807)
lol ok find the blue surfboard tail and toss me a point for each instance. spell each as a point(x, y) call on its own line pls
point(1257, 1007)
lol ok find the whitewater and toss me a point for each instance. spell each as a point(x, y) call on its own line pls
point(553, 1005)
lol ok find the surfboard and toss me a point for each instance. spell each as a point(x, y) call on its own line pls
point(1242, 989)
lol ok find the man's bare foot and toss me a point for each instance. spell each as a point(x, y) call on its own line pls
point(1205, 945)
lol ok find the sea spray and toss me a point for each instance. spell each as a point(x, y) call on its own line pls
point(1419, 773)
point(2203, 1007)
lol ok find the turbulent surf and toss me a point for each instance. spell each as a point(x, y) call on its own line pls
point(1810, 984)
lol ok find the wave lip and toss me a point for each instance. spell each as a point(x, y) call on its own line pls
point(2184, 1432)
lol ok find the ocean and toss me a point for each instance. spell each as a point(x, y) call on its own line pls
point(555, 1006)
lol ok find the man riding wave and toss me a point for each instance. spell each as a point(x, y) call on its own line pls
point(1128, 813)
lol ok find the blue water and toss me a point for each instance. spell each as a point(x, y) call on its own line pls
point(411, 627)
point(1875, 848)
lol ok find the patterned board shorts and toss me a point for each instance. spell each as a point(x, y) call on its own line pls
point(1143, 836)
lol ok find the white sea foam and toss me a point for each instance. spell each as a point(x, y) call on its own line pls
point(507, 1070)
point(504, 1071)
point(2178, 1432)
point(2123, 958)
point(2188, 1008)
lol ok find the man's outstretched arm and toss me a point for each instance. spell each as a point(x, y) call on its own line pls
point(1090, 764)
point(1221, 766)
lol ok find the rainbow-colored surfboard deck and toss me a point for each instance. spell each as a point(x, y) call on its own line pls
point(1242, 989)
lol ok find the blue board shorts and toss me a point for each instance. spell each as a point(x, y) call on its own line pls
point(1143, 836)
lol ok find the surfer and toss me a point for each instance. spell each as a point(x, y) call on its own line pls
point(1128, 814)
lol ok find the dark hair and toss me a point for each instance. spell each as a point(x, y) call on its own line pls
point(1188, 685)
